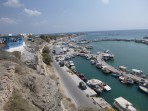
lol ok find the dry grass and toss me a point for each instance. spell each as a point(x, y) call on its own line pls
point(18, 103)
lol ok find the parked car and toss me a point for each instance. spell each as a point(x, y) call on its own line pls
point(61, 63)
point(82, 85)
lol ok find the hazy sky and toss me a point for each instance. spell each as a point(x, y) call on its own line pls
point(54, 16)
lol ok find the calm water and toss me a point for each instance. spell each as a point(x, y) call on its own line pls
point(131, 34)
point(129, 54)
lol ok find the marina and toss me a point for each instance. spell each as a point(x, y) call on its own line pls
point(101, 64)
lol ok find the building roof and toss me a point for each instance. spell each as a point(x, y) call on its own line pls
point(137, 71)
point(124, 103)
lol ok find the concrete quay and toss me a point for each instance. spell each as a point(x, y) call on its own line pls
point(115, 70)
point(88, 96)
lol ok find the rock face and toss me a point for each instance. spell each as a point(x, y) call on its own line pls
point(38, 89)
point(6, 79)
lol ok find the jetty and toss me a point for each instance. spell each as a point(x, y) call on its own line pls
point(115, 70)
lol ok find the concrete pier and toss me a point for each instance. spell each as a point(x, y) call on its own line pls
point(115, 70)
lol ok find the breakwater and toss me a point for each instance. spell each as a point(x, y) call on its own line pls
point(143, 41)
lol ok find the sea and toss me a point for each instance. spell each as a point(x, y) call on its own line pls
point(130, 54)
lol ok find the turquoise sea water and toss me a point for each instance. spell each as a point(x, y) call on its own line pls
point(131, 34)
point(129, 54)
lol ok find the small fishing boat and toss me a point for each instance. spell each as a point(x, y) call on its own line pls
point(115, 75)
point(123, 105)
point(130, 81)
point(98, 82)
point(89, 47)
point(126, 80)
point(105, 69)
point(121, 78)
point(123, 68)
point(98, 89)
point(144, 87)
point(99, 65)
point(92, 61)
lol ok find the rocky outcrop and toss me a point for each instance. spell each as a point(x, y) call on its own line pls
point(6, 84)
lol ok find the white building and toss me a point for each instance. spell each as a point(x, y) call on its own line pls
point(58, 50)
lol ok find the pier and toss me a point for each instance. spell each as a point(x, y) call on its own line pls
point(115, 70)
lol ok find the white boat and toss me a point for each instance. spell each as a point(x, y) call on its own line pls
point(105, 69)
point(98, 65)
point(121, 78)
point(123, 68)
point(89, 57)
point(123, 105)
point(100, 83)
point(144, 87)
point(71, 63)
point(92, 61)
point(136, 71)
point(98, 53)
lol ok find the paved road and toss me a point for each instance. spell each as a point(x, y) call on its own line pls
point(75, 93)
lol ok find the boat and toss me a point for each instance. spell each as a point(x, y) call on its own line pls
point(126, 80)
point(98, 82)
point(98, 89)
point(106, 51)
point(105, 69)
point(71, 63)
point(121, 78)
point(115, 75)
point(137, 72)
point(89, 47)
point(106, 57)
point(130, 81)
point(98, 65)
point(123, 105)
point(123, 68)
point(89, 57)
point(92, 61)
point(98, 53)
point(144, 87)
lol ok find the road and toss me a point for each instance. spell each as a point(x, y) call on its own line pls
point(76, 94)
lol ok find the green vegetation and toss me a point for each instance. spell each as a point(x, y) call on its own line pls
point(46, 57)
point(18, 103)
point(46, 50)
point(47, 38)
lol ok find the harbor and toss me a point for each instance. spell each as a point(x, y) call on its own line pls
point(91, 60)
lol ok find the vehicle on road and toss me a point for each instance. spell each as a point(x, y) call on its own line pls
point(82, 85)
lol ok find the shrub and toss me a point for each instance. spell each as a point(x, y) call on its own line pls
point(46, 58)
point(46, 50)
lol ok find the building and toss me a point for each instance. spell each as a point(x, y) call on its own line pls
point(58, 50)
point(12, 43)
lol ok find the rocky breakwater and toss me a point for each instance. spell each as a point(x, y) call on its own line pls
point(6, 83)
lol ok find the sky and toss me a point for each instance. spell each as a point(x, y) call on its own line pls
point(58, 16)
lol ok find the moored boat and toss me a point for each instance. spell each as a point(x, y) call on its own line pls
point(98, 82)
point(121, 78)
point(92, 61)
point(130, 81)
point(123, 105)
point(115, 75)
point(105, 69)
point(123, 68)
point(98, 65)
point(144, 87)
